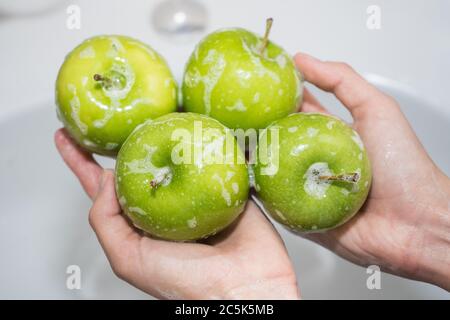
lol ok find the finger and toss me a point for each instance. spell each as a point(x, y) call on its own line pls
point(311, 104)
point(144, 262)
point(80, 162)
point(354, 92)
point(262, 231)
point(117, 237)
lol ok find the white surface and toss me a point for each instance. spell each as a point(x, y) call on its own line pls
point(43, 224)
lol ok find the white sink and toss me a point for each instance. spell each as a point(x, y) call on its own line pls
point(43, 224)
point(44, 227)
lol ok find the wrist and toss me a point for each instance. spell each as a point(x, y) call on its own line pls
point(265, 290)
point(433, 254)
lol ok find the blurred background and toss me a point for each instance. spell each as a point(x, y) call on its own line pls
point(402, 46)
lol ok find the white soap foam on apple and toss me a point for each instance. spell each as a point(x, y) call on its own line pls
point(89, 143)
point(355, 187)
point(330, 124)
point(84, 81)
point(238, 106)
point(299, 149)
point(314, 186)
point(139, 211)
point(192, 78)
point(243, 77)
point(251, 176)
point(122, 67)
point(256, 97)
point(87, 53)
point(109, 113)
point(116, 46)
point(218, 64)
point(211, 152)
point(145, 47)
point(298, 83)
point(115, 94)
point(280, 215)
point(75, 107)
point(311, 132)
point(255, 58)
point(225, 193)
point(192, 223)
point(111, 145)
point(161, 176)
point(122, 200)
point(281, 60)
point(357, 139)
point(272, 162)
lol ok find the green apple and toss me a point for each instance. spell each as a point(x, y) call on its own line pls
point(181, 177)
point(107, 86)
point(312, 171)
point(240, 79)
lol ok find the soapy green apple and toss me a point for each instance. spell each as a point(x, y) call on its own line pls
point(107, 86)
point(317, 174)
point(181, 177)
point(241, 79)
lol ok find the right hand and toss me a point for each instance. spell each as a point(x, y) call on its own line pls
point(404, 226)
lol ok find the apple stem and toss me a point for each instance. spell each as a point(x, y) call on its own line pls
point(269, 23)
point(345, 177)
point(156, 182)
point(105, 81)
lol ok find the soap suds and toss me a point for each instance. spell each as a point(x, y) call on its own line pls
point(216, 63)
point(314, 186)
point(281, 60)
point(279, 214)
point(137, 210)
point(238, 106)
point(311, 132)
point(87, 53)
point(298, 149)
point(260, 69)
point(357, 139)
point(111, 145)
point(192, 223)
point(84, 81)
point(225, 194)
point(145, 166)
point(89, 143)
point(75, 109)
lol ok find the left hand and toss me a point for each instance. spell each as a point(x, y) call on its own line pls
point(248, 260)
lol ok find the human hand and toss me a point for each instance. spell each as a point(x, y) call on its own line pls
point(234, 264)
point(404, 226)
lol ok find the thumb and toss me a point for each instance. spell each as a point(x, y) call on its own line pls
point(353, 91)
point(112, 229)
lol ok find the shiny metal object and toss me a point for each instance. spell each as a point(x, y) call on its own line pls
point(179, 18)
